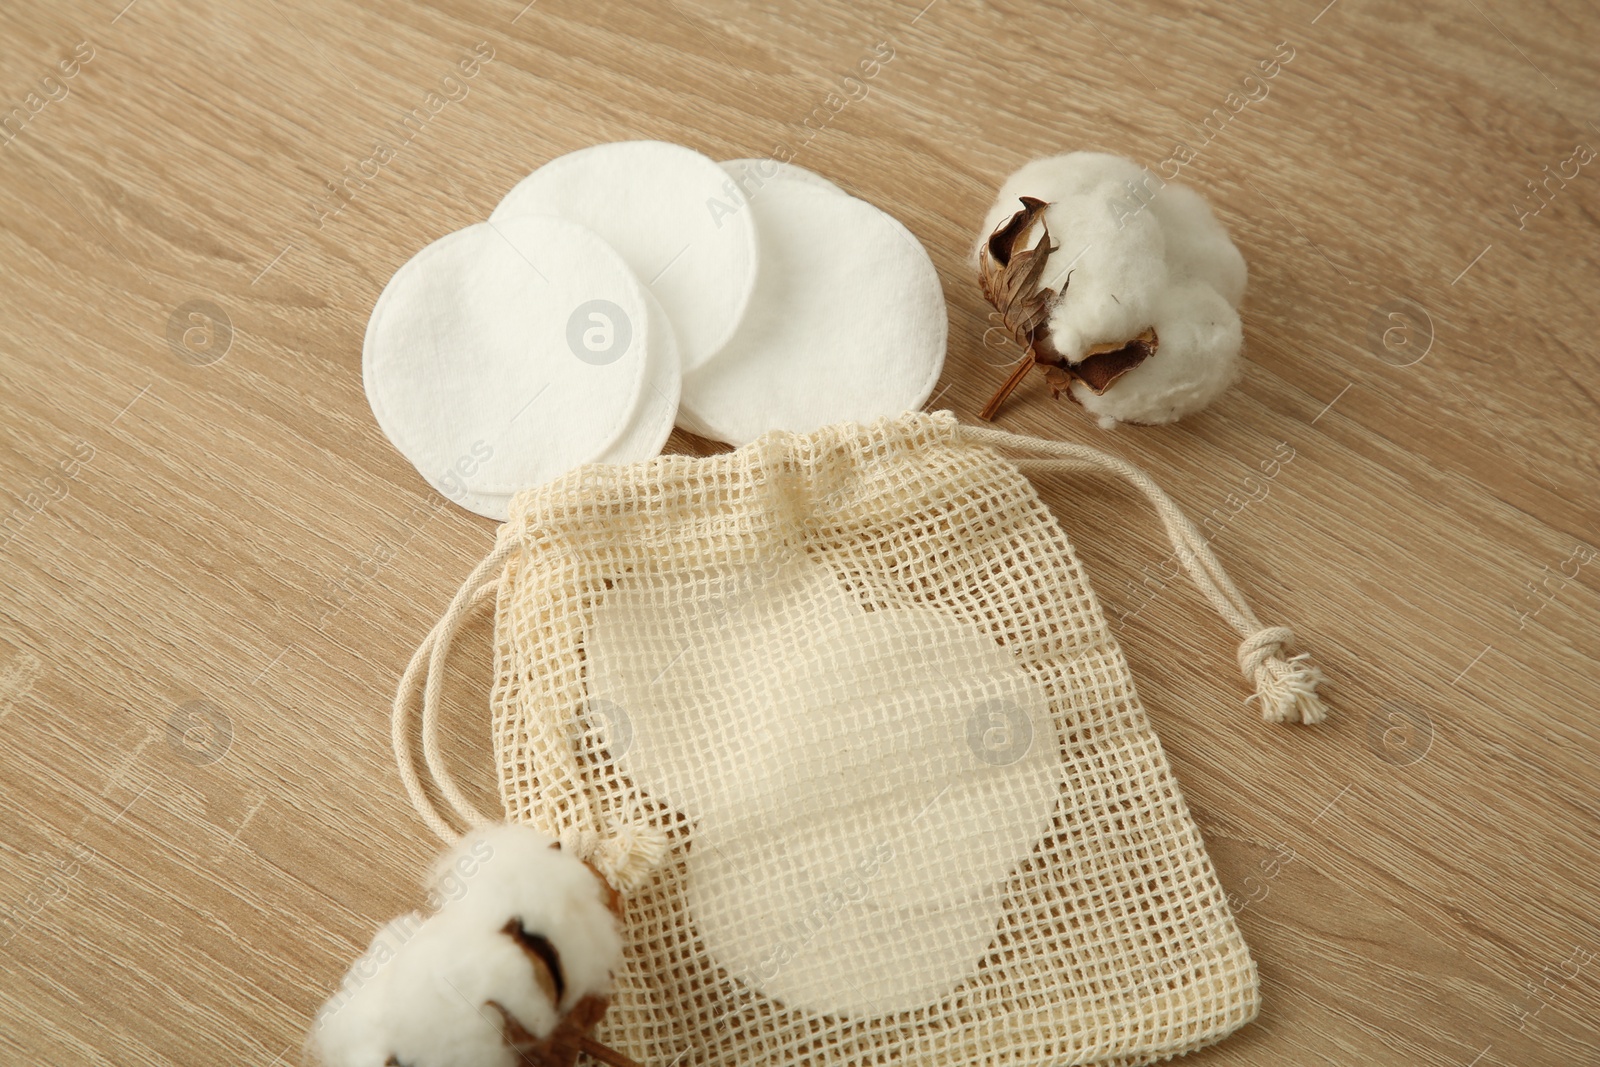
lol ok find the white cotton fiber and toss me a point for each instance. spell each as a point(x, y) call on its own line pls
point(1141, 254)
point(440, 1010)
point(1197, 244)
point(515, 873)
point(426, 992)
point(847, 322)
point(672, 214)
point(505, 354)
point(427, 1004)
point(350, 1030)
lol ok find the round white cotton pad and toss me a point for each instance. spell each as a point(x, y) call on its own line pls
point(652, 420)
point(675, 217)
point(504, 354)
point(847, 322)
point(751, 174)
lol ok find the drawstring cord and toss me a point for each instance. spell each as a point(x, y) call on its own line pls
point(428, 663)
point(1285, 686)
point(626, 857)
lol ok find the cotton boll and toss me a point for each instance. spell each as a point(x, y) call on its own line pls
point(1057, 178)
point(517, 958)
point(350, 1028)
point(441, 997)
point(1142, 255)
point(1197, 362)
point(510, 871)
point(1117, 275)
point(421, 996)
point(1197, 244)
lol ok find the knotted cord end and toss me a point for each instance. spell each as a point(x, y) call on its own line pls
point(1285, 685)
point(626, 859)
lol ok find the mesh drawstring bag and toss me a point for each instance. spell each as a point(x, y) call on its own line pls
point(841, 717)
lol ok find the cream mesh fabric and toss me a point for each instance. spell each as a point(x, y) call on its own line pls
point(842, 716)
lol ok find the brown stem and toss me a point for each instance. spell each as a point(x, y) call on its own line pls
point(603, 1053)
point(1011, 383)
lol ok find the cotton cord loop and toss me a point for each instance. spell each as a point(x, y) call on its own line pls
point(1285, 686)
point(426, 672)
point(626, 858)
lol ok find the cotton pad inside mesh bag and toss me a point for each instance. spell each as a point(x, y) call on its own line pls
point(840, 804)
point(841, 718)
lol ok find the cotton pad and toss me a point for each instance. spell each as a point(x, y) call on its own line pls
point(651, 423)
point(847, 322)
point(673, 215)
point(504, 354)
point(652, 420)
point(751, 174)
point(842, 825)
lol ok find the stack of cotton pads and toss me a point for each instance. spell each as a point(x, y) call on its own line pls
point(623, 287)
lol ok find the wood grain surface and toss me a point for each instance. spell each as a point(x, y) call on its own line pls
point(215, 566)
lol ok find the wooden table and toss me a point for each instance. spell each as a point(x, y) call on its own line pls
point(215, 566)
